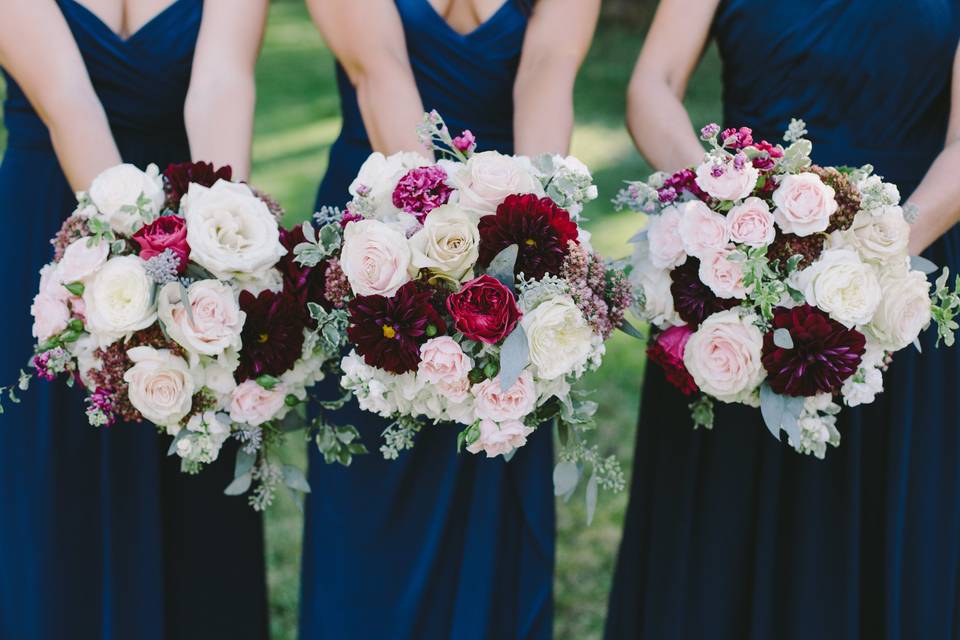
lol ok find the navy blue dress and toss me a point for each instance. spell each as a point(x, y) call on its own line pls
point(101, 536)
point(435, 545)
point(731, 535)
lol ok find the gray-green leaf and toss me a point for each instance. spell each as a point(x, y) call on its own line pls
point(514, 357)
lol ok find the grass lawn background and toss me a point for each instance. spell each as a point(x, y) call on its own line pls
point(296, 122)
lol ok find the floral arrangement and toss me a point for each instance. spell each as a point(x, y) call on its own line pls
point(776, 283)
point(176, 299)
point(473, 296)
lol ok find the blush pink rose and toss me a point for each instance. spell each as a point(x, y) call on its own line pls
point(444, 364)
point(663, 237)
point(50, 316)
point(751, 223)
point(804, 204)
point(81, 259)
point(724, 356)
point(725, 181)
point(703, 231)
point(500, 439)
point(253, 405)
point(722, 275)
point(501, 406)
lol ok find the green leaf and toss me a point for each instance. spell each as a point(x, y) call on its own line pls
point(566, 475)
point(244, 463)
point(502, 267)
point(514, 357)
point(239, 486)
point(76, 288)
point(631, 330)
point(268, 382)
point(591, 497)
point(293, 477)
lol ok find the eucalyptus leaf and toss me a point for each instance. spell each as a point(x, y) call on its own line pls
point(566, 475)
point(172, 449)
point(916, 345)
point(919, 263)
point(239, 486)
point(631, 330)
point(508, 456)
point(293, 477)
point(514, 357)
point(591, 497)
point(244, 463)
point(783, 339)
point(771, 408)
point(502, 267)
point(185, 301)
point(638, 237)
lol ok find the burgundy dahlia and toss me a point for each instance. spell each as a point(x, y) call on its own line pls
point(272, 334)
point(388, 332)
point(666, 350)
point(306, 284)
point(422, 190)
point(824, 352)
point(179, 176)
point(540, 228)
point(693, 300)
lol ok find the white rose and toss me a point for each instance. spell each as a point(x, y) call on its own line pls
point(487, 178)
point(723, 275)
point(213, 323)
point(375, 258)
point(882, 237)
point(666, 243)
point(725, 181)
point(448, 243)
point(842, 285)
point(751, 223)
point(118, 299)
point(230, 231)
point(702, 230)
point(723, 356)
point(804, 204)
point(654, 283)
point(160, 385)
point(81, 260)
point(560, 338)
point(253, 405)
point(117, 191)
point(903, 310)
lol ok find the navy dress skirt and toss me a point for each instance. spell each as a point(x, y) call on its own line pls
point(101, 536)
point(434, 545)
point(731, 535)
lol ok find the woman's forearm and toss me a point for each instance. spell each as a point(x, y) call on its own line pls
point(219, 121)
point(391, 107)
point(543, 109)
point(82, 140)
point(660, 125)
point(937, 200)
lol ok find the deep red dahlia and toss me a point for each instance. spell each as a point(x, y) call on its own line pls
point(666, 350)
point(306, 284)
point(388, 332)
point(693, 300)
point(824, 353)
point(272, 334)
point(540, 228)
point(179, 176)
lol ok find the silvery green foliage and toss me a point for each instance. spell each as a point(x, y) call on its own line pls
point(338, 443)
point(318, 245)
point(331, 330)
point(767, 286)
point(567, 181)
point(162, 268)
point(327, 215)
point(399, 437)
point(641, 197)
point(250, 437)
point(269, 476)
point(531, 293)
point(503, 265)
point(781, 412)
point(514, 357)
point(796, 157)
point(701, 411)
point(946, 308)
point(796, 130)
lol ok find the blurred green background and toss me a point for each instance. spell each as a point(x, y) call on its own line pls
point(297, 120)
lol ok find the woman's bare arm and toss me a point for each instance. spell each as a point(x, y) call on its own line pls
point(938, 196)
point(367, 38)
point(39, 51)
point(557, 39)
point(656, 117)
point(220, 102)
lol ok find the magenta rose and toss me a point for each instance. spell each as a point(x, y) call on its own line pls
point(667, 351)
point(166, 232)
point(484, 309)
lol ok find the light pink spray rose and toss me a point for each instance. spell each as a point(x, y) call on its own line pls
point(444, 364)
point(703, 231)
point(724, 356)
point(722, 275)
point(500, 439)
point(726, 181)
point(501, 406)
point(751, 223)
point(663, 236)
point(804, 204)
point(81, 259)
point(253, 405)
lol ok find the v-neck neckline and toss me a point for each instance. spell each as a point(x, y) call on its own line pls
point(469, 34)
point(144, 27)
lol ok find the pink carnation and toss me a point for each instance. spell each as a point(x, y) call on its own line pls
point(422, 190)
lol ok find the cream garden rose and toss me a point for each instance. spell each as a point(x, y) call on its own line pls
point(725, 181)
point(375, 258)
point(560, 338)
point(842, 285)
point(160, 385)
point(81, 259)
point(119, 298)
point(230, 231)
point(213, 323)
point(904, 309)
point(751, 223)
point(447, 244)
point(703, 231)
point(883, 237)
point(663, 235)
point(253, 405)
point(724, 356)
point(804, 204)
point(487, 178)
point(117, 191)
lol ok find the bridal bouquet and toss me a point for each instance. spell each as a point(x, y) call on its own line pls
point(473, 296)
point(176, 299)
point(777, 283)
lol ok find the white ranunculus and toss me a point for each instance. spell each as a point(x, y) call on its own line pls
point(118, 299)
point(904, 308)
point(160, 385)
point(375, 258)
point(230, 230)
point(842, 285)
point(116, 192)
point(213, 323)
point(448, 243)
point(487, 178)
point(724, 356)
point(654, 285)
point(560, 338)
point(804, 204)
point(81, 259)
point(882, 237)
point(378, 177)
